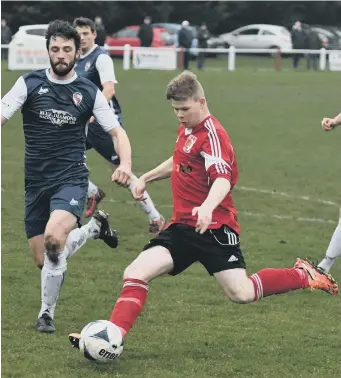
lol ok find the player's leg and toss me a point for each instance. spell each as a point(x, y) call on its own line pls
point(156, 220)
point(95, 194)
point(165, 254)
point(334, 249)
point(60, 224)
point(36, 244)
point(37, 212)
point(168, 253)
point(150, 264)
point(61, 241)
point(225, 261)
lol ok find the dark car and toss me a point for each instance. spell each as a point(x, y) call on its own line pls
point(329, 36)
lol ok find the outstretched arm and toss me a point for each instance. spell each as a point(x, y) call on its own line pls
point(108, 120)
point(161, 172)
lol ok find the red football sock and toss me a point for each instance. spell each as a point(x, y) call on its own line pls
point(277, 281)
point(130, 304)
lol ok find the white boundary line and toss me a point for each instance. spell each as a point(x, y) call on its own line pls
point(259, 215)
point(287, 195)
point(246, 213)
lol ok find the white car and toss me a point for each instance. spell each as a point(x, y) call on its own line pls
point(30, 33)
point(259, 36)
point(27, 49)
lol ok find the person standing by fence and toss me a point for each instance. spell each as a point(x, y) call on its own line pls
point(298, 42)
point(185, 37)
point(203, 36)
point(6, 37)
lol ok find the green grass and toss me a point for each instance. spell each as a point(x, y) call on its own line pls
point(187, 328)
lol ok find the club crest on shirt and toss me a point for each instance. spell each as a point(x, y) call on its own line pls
point(77, 98)
point(189, 143)
point(87, 65)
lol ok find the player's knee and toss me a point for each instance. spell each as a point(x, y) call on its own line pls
point(239, 296)
point(52, 245)
point(133, 271)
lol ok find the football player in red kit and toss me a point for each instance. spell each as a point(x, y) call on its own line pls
point(204, 226)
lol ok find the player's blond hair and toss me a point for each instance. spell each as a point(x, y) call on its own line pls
point(185, 86)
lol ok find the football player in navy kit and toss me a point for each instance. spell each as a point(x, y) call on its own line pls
point(56, 105)
point(97, 66)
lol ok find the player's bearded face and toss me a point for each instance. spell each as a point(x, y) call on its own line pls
point(61, 67)
point(63, 56)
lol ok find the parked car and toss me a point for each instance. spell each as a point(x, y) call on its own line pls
point(173, 29)
point(31, 33)
point(336, 30)
point(330, 38)
point(128, 35)
point(259, 36)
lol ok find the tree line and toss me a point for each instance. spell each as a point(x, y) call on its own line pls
point(220, 16)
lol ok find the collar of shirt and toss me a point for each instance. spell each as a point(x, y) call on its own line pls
point(197, 127)
point(88, 53)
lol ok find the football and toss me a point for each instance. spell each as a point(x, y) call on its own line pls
point(101, 341)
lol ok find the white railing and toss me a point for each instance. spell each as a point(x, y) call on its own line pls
point(231, 53)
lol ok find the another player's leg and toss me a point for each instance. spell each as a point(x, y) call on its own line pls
point(156, 220)
point(95, 196)
point(333, 251)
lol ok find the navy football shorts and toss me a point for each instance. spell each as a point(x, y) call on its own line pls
point(40, 202)
point(101, 141)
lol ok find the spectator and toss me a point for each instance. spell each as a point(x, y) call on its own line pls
point(298, 38)
point(146, 33)
point(313, 43)
point(100, 30)
point(185, 37)
point(203, 36)
point(6, 37)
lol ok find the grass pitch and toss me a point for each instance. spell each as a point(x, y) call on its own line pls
point(287, 166)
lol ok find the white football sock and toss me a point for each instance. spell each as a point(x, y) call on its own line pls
point(333, 251)
point(79, 236)
point(147, 205)
point(92, 189)
point(52, 277)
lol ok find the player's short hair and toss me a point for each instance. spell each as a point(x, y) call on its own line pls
point(63, 29)
point(84, 22)
point(185, 86)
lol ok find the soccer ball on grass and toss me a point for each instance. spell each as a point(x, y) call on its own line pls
point(101, 341)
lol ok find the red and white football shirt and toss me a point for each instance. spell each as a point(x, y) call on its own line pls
point(200, 156)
